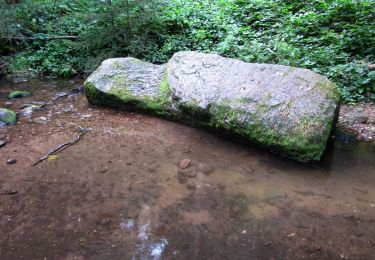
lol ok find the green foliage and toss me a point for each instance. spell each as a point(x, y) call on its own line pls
point(333, 37)
point(33, 26)
point(121, 28)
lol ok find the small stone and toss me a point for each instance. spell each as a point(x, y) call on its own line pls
point(106, 221)
point(69, 109)
point(362, 119)
point(191, 186)
point(185, 163)
point(41, 120)
point(28, 109)
point(8, 104)
point(11, 161)
point(2, 143)
point(266, 243)
point(88, 116)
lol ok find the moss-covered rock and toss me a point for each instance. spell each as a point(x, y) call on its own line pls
point(287, 110)
point(7, 116)
point(19, 94)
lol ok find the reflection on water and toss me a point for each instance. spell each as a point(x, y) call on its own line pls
point(146, 247)
point(133, 201)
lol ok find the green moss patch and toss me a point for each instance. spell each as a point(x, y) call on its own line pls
point(7, 116)
point(19, 94)
point(296, 144)
point(159, 104)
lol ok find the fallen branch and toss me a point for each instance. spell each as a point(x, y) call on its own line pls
point(41, 105)
point(74, 91)
point(68, 37)
point(82, 132)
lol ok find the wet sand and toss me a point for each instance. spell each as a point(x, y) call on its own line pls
point(119, 193)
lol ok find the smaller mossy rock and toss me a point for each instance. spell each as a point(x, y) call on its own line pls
point(19, 94)
point(7, 116)
point(286, 110)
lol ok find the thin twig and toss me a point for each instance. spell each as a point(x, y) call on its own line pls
point(82, 131)
point(74, 91)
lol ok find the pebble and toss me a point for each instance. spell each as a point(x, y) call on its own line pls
point(267, 243)
point(362, 119)
point(41, 120)
point(11, 161)
point(2, 143)
point(191, 186)
point(88, 116)
point(69, 109)
point(187, 174)
point(185, 163)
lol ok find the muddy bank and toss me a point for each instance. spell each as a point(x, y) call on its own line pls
point(123, 193)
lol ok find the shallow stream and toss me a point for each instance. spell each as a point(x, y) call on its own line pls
point(119, 192)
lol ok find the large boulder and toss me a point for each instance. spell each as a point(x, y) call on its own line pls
point(286, 110)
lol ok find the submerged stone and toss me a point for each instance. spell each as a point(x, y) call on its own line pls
point(286, 110)
point(7, 116)
point(19, 94)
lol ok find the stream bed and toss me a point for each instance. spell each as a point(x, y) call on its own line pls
point(139, 187)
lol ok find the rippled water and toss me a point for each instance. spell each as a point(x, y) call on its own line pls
point(120, 194)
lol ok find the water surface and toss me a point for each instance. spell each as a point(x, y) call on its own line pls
point(120, 194)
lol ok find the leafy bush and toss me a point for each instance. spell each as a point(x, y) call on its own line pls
point(333, 37)
point(34, 24)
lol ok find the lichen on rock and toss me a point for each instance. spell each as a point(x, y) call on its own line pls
point(287, 110)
